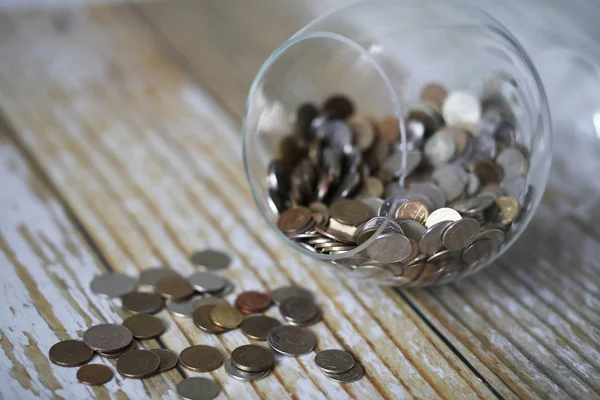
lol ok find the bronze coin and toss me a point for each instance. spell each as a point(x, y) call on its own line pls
point(414, 210)
point(434, 94)
point(201, 358)
point(70, 353)
point(119, 353)
point(94, 374)
point(144, 326)
point(388, 129)
point(145, 303)
point(350, 212)
point(168, 359)
point(257, 327)
point(226, 316)
point(294, 219)
point(252, 358)
point(290, 151)
point(488, 171)
point(138, 364)
point(413, 271)
point(201, 317)
point(338, 107)
point(253, 302)
point(174, 288)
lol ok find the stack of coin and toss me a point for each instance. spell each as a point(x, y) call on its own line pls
point(442, 202)
point(339, 366)
point(250, 362)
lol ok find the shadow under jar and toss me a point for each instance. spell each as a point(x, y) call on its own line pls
point(403, 144)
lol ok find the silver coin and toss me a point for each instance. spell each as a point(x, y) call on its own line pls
point(452, 180)
point(298, 309)
point(291, 341)
point(393, 163)
point(150, 276)
point(473, 184)
point(198, 388)
point(440, 215)
point(364, 131)
point(355, 373)
point(479, 250)
point(432, 191)
point(334, 361)
point(313, 321)
point(484, 147)
point(336, 134)
point(113, 285)
point(515, 187)
point(227, 290)
point(183, 308)
point(461, 106)
point(505, 134)
point(371, 270)
point(244, 376)
point(394, 189)
point(440, 149)
point(390, 206)
point(513, 162)
point(412, 229)
point(374, 203)
point(280, 294)
point(206, 282)
point(468, 206)
point(495, 235)
point(204, 301)
point(443, 255)
point(377, 222)
point(389, 248)
point(431, 241)
point(347, 186)
point(211, 259)
point(460, 234)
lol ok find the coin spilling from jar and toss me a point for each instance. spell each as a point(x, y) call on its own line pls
point(427, 202)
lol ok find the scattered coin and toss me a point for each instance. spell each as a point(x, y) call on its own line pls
point(201, 358)
point(168, 359)
point(226, 316)
point(253, 302)
point(252, 358)
point(197, 388)
point(203, 301)
point(291, 341)
point(202, 320)
point(184, 308)
point(117, 354)
point(113, 285)
point(282, 293)
point(70, 353)
point(107, 338)
point(205, 282)
point(174, 288)
point(211, 259)
point(150, 277)
point(138, 364)
point(144, 326)
point(242, 375)
point(94, 374)
point(354, 374)
point(298, 309)
point(140, 302)
point(334, 361)
point(257, 327)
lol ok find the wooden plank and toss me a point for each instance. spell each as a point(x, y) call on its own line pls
point(135, 148)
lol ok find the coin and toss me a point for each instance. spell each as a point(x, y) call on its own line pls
point(253, 302)
point(334, 361)
point(70, 353)
point(494, 234)
point(94, 374)
point(298, 309)
point(294, 219)
point(479, 250)
point(388, 129)
point(117, 354)
point(432, 191)
point(242, 375)
point(150, 276)
point(460, 234)
point(168, 359)
point(107, 338)
point(139, 302)
point(394, 162)
point(389, 247)
point(371, 187)
point(372, 270)
point(211, 259)
point(305, 115)
point(202, 301)
point(257, 327)
point(138, 364)
point(113, 285)
point(452, 180)
point(197, 388)
point(461, 106)
point(488, 171)
point(202, 320)
point(252, 358)
point(291, 341)
point(282, 293)
point(201, 358)
point(338, 107)
point(350, 212)
point(144, 326)
point(440, 215)
point(414, 210)
point(174, 288)
point(513, 162)
point(184, 308)
point(363, 130)
point(509, 209)
point(412, 229)
point(354, 374)
point(440, 149)
point(206, 282)
point(434, 93)
point(226, 317)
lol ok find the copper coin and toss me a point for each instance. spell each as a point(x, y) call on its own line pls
point(253, 302)
point(294, 219)
point(226, 317)
point(107, 338)
point(138, 364)
point(414, 210)
point(117, 354)
point(94, 374)
point(257, 327)
point(201, 358)
point(168, 359)
point(252, 358)
point(388, 129)
point(488, 171)
point(145, 303)
point(434, 94)
point(201, 317)
point(350, 212)
point(174, 288)
point(144, 326)
point(338, 106)
point(70, 353)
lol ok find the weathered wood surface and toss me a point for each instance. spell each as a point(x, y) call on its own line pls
point(114, 160)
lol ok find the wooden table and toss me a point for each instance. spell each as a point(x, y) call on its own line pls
point(120, 150)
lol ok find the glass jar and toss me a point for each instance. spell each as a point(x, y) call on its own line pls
point(380, 54)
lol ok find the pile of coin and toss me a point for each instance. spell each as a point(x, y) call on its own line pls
point(423, 210)
point(339, 365)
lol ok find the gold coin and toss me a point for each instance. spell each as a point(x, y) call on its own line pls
point(414, 210)
point(226, 316)
point(509, 209)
